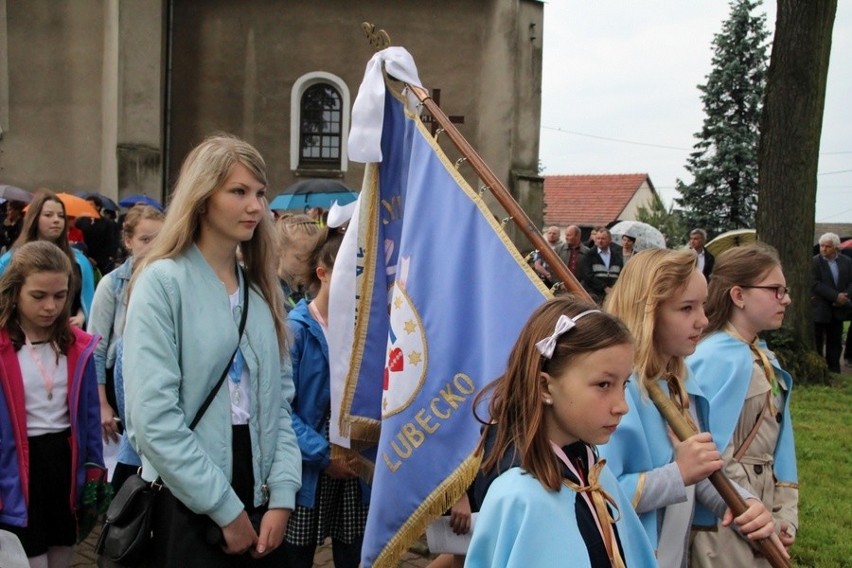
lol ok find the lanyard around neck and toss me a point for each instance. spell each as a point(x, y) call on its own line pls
point(46, 378)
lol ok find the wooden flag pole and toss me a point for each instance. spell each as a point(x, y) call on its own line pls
point(770, 547)
point(519, 216)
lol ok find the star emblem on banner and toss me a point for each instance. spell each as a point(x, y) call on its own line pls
point(414, 358)
point(407, 354)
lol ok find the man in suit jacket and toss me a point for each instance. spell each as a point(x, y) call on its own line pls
point(697, 238)
point(831, 293)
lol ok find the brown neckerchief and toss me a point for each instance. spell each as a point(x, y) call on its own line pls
point(761, 357)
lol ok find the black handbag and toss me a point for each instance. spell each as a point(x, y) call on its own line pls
point(127, 529)
point(127, 533)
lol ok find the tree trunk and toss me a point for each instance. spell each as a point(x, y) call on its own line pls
point(791, 126)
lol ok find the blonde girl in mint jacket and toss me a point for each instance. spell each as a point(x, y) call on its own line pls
point(241, 463)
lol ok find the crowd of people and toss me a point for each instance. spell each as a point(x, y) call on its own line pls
point(578, 464)
point(598, 262)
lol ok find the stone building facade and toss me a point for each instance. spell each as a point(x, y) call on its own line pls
point(109, 95)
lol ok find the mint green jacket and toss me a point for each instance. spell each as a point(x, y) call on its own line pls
point(179, 337)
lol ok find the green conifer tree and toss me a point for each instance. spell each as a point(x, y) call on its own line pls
point(668, 221)
point(723, 163)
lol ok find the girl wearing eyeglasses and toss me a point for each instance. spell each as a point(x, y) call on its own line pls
point(749, 399)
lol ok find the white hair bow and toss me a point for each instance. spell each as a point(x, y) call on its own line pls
point(563, 324)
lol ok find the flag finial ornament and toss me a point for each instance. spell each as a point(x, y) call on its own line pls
point(379, 39)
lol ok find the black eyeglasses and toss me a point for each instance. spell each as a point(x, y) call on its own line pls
point(780, 291)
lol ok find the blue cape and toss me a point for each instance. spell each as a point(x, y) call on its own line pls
point(523, 525)
point(722, 367)
point(641, 443)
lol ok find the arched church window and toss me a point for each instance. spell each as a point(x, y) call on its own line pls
point(320, 123)
point(320, 127)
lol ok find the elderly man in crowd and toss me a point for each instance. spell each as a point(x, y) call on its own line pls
point(831, 292)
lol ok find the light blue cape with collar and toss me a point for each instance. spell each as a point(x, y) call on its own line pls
point(523, 525)
point(722, 367)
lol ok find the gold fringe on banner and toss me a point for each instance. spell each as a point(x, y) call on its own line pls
point(436, 504)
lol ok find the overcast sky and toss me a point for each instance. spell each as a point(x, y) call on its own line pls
point(620, 96)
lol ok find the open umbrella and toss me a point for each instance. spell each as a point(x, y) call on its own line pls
point(731, 239)
point(106, 202)
point(647, 236)
point(77, 206)
point(132, 200)
point(313, 193)
point(12, 193)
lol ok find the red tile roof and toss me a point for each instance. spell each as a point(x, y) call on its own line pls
point(589, 199)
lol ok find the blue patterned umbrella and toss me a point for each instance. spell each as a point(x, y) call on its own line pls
point(313, 193)
point(132, 200)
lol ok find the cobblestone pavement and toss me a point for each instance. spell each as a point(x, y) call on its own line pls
point(417, 557)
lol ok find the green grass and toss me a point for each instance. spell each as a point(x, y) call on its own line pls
point(823, 430)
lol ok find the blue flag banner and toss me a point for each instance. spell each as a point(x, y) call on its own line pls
point(450, 293)
point(362, 281)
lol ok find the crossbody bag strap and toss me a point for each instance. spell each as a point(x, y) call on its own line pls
point(221, 380)
point(738, 455)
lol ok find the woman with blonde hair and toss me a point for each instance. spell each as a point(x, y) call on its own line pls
point(660, 297)
point(45, 220)
point(749, 399)
point(237, 472)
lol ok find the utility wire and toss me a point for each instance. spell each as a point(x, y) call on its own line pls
point(621, 141)
point(615, 139)
point(833, 216)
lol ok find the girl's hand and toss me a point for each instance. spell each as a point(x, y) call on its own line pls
point(696, 457)
point(755, 522)
point(787, 536)
point(460, 516)
point(239, 535)
point(78, 319)
point(273, 527)
point(108, 423)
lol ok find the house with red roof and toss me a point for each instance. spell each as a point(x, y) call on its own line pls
point(590, 201)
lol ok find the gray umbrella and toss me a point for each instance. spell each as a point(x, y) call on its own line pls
point(646, 235)
point(12, 193)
